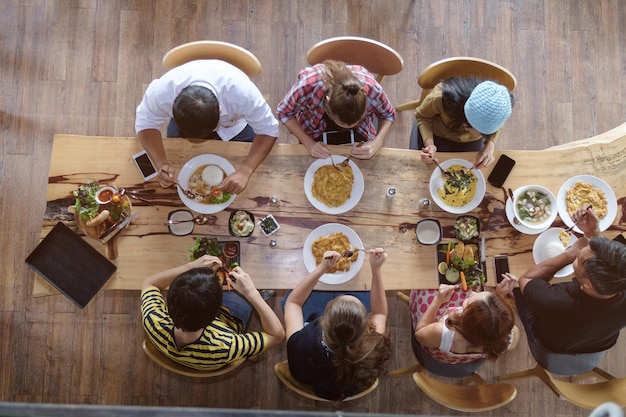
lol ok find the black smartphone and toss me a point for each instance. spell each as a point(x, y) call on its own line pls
point(145, 165)
point(501, 171)
point(501, 264)
point(620, 238)
point(339, 137)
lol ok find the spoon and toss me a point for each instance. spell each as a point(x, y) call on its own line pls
point(358, 145)
point(569, 229)
point(201, 219)
point(185, 191)
point(132, 194)
point(515, 220)
point(443, 171)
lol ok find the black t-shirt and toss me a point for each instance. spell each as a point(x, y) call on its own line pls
point(568, 320)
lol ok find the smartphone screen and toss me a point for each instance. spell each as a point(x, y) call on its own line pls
point(143, 162)
point(501, 171)
point(340, 137)
point(501, 264)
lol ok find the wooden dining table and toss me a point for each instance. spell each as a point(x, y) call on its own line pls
point(146, 246)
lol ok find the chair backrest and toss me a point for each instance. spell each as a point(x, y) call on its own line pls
point(562, 363)
point(284, 375)
point(460, 66)
point(377, 57)
point(590, 395)
point(469, 398)
point(233, 54)
point(157, 356)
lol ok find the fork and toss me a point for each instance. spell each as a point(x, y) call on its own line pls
point(569, 229)
point(358, 145)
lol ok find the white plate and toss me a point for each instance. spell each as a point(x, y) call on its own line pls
point(436, 182)
point(189, 168)
point(510, 215)
point(355, 195)
point(326, 230)
point(596, 182)
point(540, 254)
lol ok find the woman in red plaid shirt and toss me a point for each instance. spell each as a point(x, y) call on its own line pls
point(334, 96)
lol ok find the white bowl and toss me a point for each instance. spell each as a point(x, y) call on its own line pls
point(436, 182)
point(520, 192)
point(428, 231)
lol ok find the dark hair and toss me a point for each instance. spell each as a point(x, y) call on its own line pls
point(607, 268)
point(194, 298)
point(359, 353)
point(455, 92)
point(196, 111)
point(486, 323)
point(347, 101)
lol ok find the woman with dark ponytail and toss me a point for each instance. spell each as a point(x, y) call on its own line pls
point(335, 96)
point(342, 351)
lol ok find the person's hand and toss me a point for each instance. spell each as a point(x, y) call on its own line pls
point(365, 150)
point(206, 261)
point(589, 223)
point(242, 283)
point(317, 149)
point(485, 157)
point(377, 257)
point(235, 182)
point(428, 153)
point(166, 175)
point(509, 281)
point(329, 260)
point(445, 292)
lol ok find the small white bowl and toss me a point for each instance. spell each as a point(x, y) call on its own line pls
point(428, 232)
point(272, 220)
point(553, 208)
point(105, 194)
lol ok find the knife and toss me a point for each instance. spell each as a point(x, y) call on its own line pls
point(116, 228)
point(483, 256)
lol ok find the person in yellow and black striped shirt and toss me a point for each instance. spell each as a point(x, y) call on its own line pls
point(200, 326)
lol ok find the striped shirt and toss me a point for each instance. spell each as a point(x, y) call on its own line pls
point(221, 342)
point(305, 102)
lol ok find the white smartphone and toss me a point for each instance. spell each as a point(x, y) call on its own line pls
point(339, 137)
point(145, 165)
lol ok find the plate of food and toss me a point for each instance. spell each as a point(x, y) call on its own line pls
point(228, 251)
point(202, 175)
point(98, 208)
point(334, 236)
point(551, 243)
point(333, 190)
point(584, 190)
point(460, 193)
point(458, 261)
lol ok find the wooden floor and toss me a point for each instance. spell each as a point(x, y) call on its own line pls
point(81, 66)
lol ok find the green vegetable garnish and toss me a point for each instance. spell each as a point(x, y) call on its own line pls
point(205, 246)
point(86, 205)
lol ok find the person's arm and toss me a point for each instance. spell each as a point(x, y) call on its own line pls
point(316, 149)
point(369, 148)
point(294, 320)
point(152, 141)
point(378, 298)
point(428, 329)
point(485, 157)
point(424, 114)
point(545, 270)
point(237, 181)
point(163, 279)
point(269, 320)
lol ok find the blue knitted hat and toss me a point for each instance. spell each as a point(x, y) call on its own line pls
point(488, 107)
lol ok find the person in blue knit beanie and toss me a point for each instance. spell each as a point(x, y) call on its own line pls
point(462, 114)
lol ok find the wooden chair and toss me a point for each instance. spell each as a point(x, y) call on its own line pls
point(233, 54)
point(469, 398)
point(377, 57)
point(461, 66)
point(160, 359)
point(284, 375)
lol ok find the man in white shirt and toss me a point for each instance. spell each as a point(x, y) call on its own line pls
point(208, 99)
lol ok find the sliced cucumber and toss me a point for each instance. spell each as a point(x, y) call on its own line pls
point(452, 275)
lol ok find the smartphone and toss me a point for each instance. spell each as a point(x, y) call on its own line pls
point(620, 238)
point(339, 137)
point(145, 165)
point(501, 171)
point(501, 264)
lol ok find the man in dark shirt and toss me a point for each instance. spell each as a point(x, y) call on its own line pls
point(586, 314)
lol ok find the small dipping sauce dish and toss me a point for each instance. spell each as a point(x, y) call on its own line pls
point(428, 231)
point(185, 227)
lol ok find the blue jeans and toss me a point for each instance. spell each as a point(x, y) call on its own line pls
point(316, 303)
point(246, 135)
point(443, 145)
point(239, 307)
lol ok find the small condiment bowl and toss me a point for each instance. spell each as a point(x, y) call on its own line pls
point(428, 231)
point(185, 227)
point(105, 194)
point(540, 224)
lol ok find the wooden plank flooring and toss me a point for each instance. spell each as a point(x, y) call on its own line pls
point(81, 66)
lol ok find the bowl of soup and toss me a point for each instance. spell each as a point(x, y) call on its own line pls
point(459, 192)
point(535, 206)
